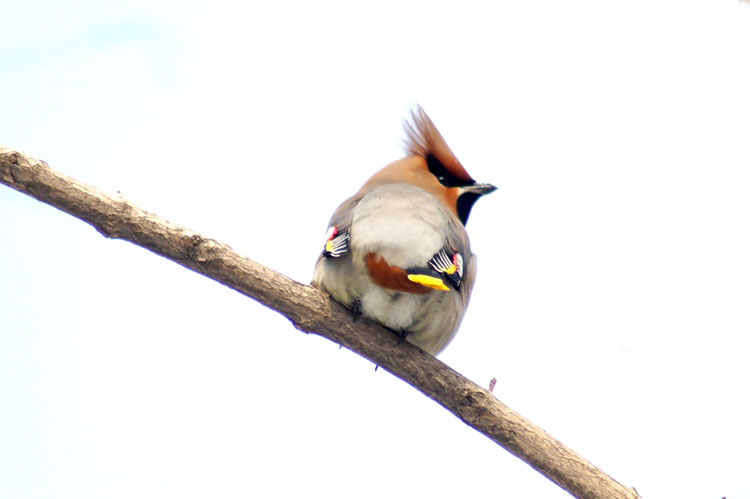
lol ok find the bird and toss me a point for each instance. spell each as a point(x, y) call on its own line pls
point(397, 251)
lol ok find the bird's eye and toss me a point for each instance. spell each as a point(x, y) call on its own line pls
point(441, 179)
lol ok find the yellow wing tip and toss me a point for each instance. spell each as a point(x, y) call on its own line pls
point(429, 281)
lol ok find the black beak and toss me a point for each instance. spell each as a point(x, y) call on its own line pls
point(468, 196)
point(480, 189)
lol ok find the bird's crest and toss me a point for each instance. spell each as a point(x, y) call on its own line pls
point(424, 139)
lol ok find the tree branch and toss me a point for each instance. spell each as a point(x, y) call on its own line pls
point(312, 311)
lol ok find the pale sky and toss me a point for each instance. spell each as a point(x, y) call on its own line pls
point(612, 303)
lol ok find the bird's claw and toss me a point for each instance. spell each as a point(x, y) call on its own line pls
point(356, 311)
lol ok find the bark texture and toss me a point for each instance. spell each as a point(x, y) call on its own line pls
point(312, 311)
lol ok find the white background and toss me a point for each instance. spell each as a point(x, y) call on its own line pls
point(612, 301)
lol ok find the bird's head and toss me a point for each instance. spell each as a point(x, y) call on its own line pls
point(432, 166)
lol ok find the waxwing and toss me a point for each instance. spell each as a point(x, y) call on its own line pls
point(397, 251)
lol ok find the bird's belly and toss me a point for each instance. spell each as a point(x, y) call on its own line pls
point(430, 319)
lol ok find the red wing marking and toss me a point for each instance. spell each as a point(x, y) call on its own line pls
point(391, 277)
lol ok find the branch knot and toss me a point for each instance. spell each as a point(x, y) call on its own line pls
point(200, 249)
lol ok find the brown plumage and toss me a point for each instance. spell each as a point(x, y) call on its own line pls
point(391, 277)
point(425, 141)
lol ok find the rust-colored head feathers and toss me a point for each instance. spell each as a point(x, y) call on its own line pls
point(432, 166)
point(424, 139)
